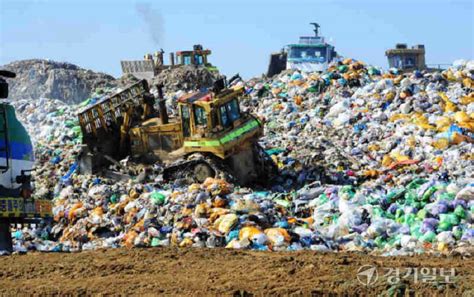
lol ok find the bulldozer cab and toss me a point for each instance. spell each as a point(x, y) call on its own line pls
point(207, 122)
point(214, 123)
point(201, 115)
point(197, 57)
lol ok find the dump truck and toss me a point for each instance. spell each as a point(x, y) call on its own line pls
point(152, 65)
point(209, 136)
point(16, 163)
point(310, 54)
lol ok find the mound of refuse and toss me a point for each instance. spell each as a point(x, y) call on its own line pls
point(67, 82)
point(186, 78)
point(368, 161)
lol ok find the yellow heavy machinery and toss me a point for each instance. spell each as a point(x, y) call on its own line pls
point(152, 65)
point(209, 136)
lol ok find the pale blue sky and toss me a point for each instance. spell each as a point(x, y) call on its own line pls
point(98, 34)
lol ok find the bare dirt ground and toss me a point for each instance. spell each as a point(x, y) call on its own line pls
point(221, 272)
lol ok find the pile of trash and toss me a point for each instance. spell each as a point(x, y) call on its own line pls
point(186, 78)
point(354, 120)
point(67, 82)
point(369, 161)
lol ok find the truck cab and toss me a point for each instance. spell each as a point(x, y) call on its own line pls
point(16, 163)
point(309, 57)
point(310, 54)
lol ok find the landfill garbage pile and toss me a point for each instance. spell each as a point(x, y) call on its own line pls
point(356, 121)
point(185, 78)
point(394, 156)
point(57, 80)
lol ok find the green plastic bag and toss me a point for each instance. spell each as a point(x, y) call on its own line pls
point(157, 198)
point(447, 196)
point(377, 212)
point(410, 197)
point(457, 232)
point(444, 226)
point(428, 236)
point(447, 221)
point(427, 195)
point(343, 68)
point(379, 241)
point(155, 242)
point(114, 198)
point(409, 219)
point(416, 183)
point(449, 217)
point(460, 212)
point(395, 195)
point(415, 230)
point(323, 198)
point(421, 214)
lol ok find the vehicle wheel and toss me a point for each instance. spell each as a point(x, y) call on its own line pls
point(202, 171)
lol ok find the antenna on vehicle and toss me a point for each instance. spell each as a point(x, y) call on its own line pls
point(316, 28)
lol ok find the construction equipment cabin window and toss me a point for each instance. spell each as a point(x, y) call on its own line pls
point(185, 117)
point(225, 121)
point(198, 59)
point(229, 113)
point(187, 60)
point(233, 108)
point(200, 116)
point(410, 61)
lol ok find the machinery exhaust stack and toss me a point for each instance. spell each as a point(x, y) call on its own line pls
point(162, 105)
point(172, 59)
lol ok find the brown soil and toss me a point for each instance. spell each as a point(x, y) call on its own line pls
point(198, 272)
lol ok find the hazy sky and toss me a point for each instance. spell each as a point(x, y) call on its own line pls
point(98, 34)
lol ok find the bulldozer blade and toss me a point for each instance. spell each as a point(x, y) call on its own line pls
point(277, 64)
point(143, 69)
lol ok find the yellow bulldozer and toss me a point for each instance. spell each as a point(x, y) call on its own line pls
point(152, 65)
point(209, 135)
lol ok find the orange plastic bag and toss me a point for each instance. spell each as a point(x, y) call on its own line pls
point(464, 121)
point(217, 186)
point(448, 105)
point(129, 238)
point(298, 100)
point(249, 232)
point(421, 121)
point(187, 242)
point(226, 222)
point(443, 124)
point(274, 233)
point(74, 209)
point(98, 211)
point(465, 100)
